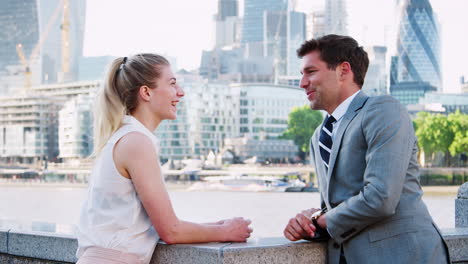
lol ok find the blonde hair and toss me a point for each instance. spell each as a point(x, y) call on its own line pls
point(119, 93)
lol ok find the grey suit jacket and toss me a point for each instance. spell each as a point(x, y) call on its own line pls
point(372, 190)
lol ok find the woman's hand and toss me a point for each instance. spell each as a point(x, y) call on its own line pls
point(237, 229)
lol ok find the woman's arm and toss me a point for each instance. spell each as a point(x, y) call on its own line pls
point(136, 158)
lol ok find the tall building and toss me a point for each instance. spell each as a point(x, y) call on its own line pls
point(265, 58)
point(33, 29)
point(275, 26)
point(63, 38)
point(28, 129)
point(227, 8)
point(418, 46)
point(228, 23)
point(316, 26)
point(252, 27)
point(336, 17)
point(75, 132)
point(296, 36)
point(18, 25)
point(375, 82)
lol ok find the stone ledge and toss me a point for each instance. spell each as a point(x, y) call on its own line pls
point(42, 245)
point(4, 241)
point(48, 248)
point(261, 250)
point(457, 242)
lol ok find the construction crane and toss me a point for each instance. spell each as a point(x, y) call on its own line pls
point(26, 62)
point(65, 28)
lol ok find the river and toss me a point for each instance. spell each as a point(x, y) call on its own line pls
point(269, 211)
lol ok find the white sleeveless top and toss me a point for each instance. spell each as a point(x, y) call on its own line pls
point(112, 215)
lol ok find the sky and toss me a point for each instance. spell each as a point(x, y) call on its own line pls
point(183, 28)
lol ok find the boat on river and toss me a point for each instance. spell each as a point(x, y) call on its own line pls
point(246, 183)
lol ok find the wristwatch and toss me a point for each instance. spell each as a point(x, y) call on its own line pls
point(316, 216)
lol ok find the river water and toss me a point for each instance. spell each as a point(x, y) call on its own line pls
point(269, 211)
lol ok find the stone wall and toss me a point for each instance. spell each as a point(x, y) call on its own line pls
point(47, 248)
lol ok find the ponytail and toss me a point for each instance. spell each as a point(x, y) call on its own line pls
point(109, 109)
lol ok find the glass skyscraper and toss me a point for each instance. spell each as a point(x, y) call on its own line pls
point(37, 25)
point(227, 8)
point(336, 17)
point(418, 45)
point(18, 25)
point(252, 27)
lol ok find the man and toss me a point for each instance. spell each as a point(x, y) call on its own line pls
point(365, 157)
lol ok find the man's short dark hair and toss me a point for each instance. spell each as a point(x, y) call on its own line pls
point(336, 49)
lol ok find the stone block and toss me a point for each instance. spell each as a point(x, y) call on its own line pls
point(457, 242)
point(206, 253)
point(274, 250)
point(3, 241)
point(463, 191)
point(41, 245)
point(461, 206)
point(461, 213)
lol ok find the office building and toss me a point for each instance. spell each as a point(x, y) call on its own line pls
point(450, 103)
point(228, 23)
point(336, 17)
point(39, 44)
point(375, 82)
point(28, 129)
point(75, 134)
point(418, 50)
point(410, 92)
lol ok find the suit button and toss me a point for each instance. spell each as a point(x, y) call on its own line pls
point(335, 245)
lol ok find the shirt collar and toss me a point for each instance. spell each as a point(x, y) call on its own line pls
point(341, 110)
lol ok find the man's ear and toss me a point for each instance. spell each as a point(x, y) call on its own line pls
point(345, 70)
point(144, 93)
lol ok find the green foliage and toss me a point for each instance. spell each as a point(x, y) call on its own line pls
point(448, 134)
point(434, 132)
point(302, 122)
point(459, 123)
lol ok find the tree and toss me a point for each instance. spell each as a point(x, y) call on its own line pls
point(447, 134)
point(459, 125)
point(435, 134)
point(302, 122)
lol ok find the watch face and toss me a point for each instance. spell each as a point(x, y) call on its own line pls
point(316, 215)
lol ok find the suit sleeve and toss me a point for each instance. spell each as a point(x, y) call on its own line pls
point(389, 134)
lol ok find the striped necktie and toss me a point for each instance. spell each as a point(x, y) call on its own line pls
point(325, 140)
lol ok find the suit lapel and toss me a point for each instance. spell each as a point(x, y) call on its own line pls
point(353, 109)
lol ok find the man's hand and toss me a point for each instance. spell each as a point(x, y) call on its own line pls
point(300, 227)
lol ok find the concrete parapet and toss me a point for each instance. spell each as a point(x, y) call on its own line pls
point(461, 206)
point(262, 250)
point(47, 248)
point(457, 242)
point(42, 245)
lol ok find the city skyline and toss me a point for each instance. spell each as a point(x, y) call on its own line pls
point(134, 28)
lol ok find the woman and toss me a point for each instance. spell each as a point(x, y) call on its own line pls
point(128, 208)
